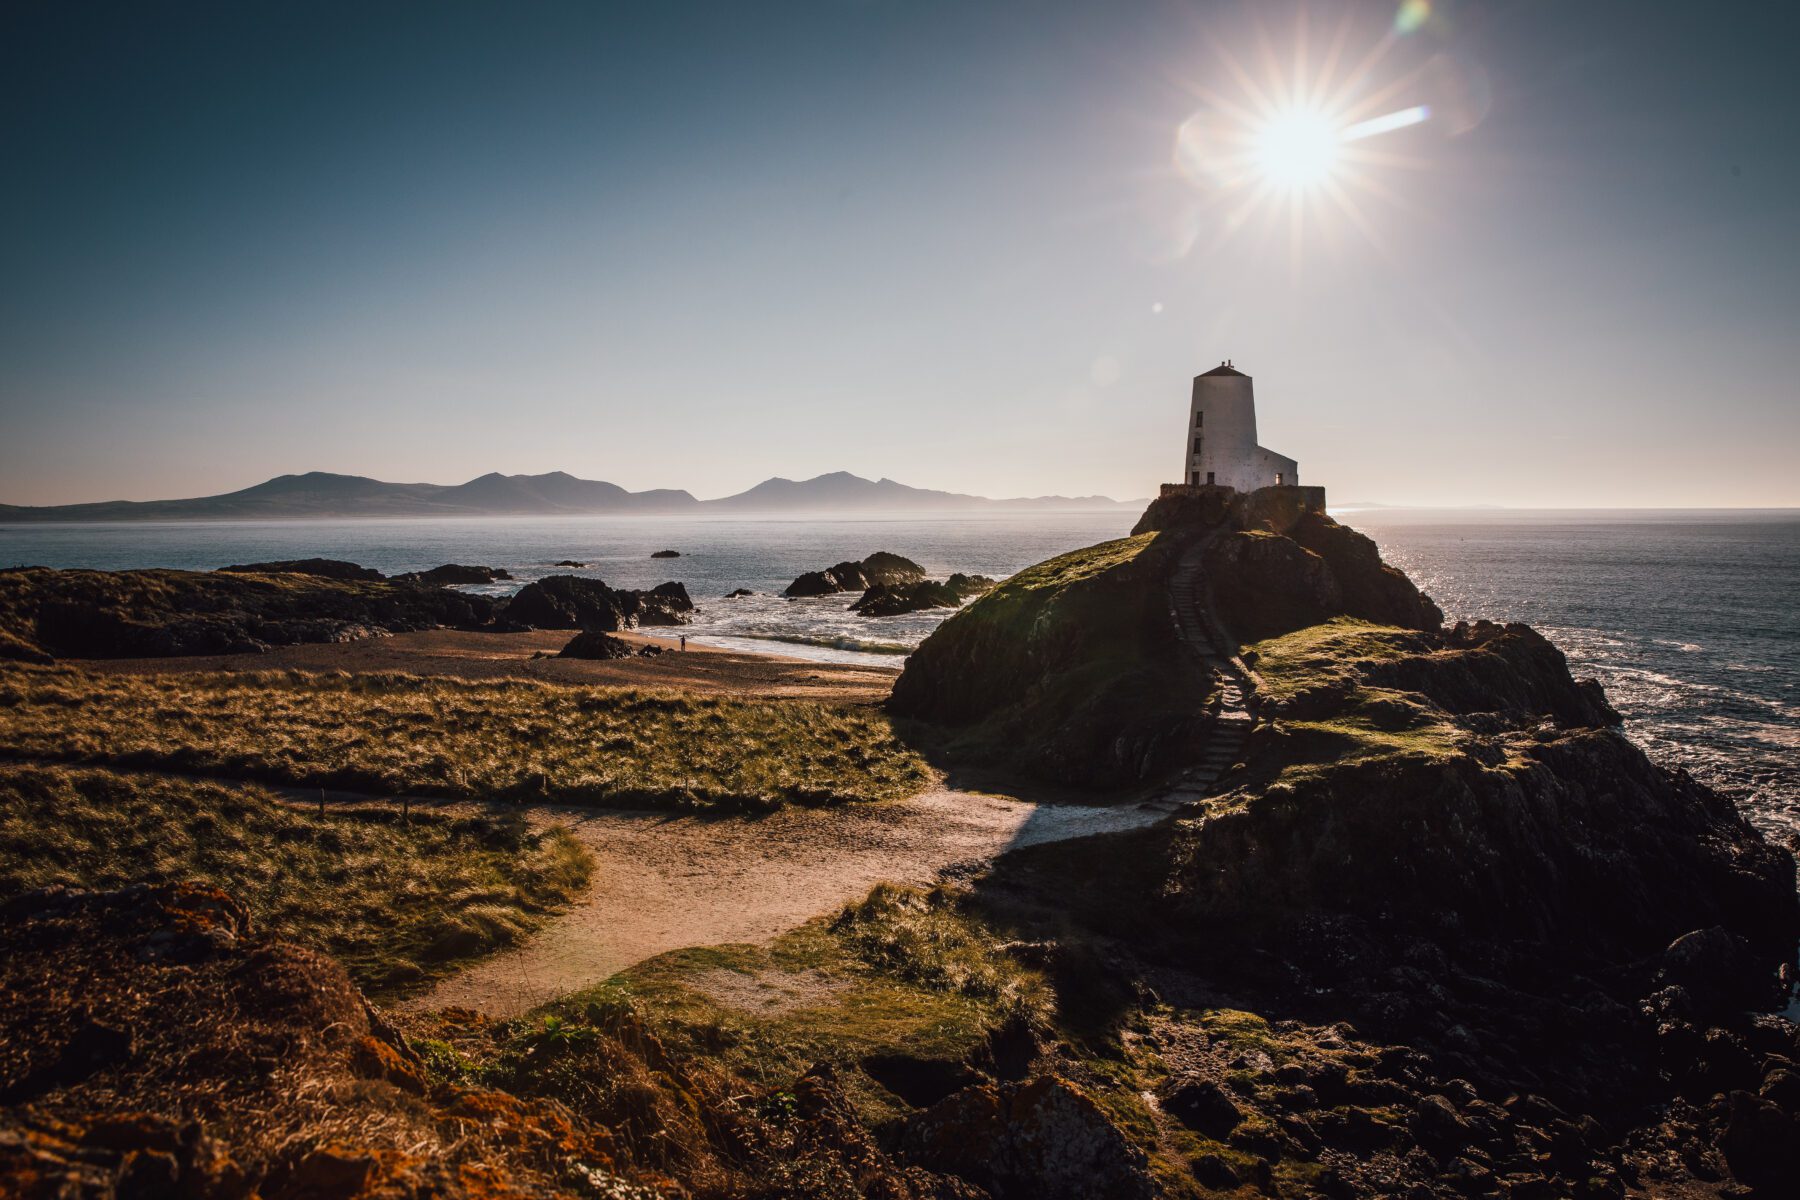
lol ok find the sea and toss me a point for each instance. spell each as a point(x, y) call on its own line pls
point(1690, 619)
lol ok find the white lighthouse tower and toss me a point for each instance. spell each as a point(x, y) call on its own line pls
point(1221, 444)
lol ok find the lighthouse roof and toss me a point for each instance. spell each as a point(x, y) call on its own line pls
point(1223, 369)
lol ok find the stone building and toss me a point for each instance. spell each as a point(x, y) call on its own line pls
point(1221, 437)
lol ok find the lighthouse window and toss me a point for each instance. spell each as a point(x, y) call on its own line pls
point(1199, 419)
point(1196, 445)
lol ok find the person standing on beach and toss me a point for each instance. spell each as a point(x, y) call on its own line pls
point(684, 643)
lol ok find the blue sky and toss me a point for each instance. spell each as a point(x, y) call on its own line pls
point(696, 245)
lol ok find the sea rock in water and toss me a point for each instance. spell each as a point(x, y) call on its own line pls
point(737, 592)
point(568, 562)
point(887, 600)
point(452, 573)
point(573, 602)
point(879, 568)
point(666, 554)
point(591, 643)
point(324, 568)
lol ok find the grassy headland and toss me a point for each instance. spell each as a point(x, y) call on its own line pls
point(399, 902)
point(1069, 670)
point(516, 741)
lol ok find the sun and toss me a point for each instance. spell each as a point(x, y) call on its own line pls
point(1297, 149)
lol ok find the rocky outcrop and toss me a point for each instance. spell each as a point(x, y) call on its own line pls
point(666, 554)
point(575, 602)
point(323, 568)
point(1070, 670)
point(1040, 1140)
point(454, 573)
point(738, 593)
point(151, 614)
point(888, 600)
point(592, 644)
point(880, 568)
point(153, 1044)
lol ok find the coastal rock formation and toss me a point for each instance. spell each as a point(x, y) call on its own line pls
point(452, 573)
point(568, 562)
point(1083, 648)
point(574, 602)
point(154, 1044)
point(1443, 930)
point(47, 613)
point(592, 644)
point(666, 554)
point(887, 600)
point(324, 568)
point(879, 568)
point(736, 593)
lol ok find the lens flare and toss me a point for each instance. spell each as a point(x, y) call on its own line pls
point(1297, 149)
point(1412, 16)
point(1416, 115)
point(1292, 146)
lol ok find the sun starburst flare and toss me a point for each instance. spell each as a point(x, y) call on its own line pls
point(1297, 143)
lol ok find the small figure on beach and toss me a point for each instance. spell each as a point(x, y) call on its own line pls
point(684, 641)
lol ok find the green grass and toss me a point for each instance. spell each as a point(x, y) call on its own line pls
point(518, 741)
point(1327, 654)
point(902, 972)
point(398, 902)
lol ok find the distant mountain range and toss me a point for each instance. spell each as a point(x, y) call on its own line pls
point(321, 494)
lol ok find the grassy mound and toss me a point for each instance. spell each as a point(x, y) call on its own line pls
point(517, 741)
point(1069, 669)
point(900, 992)
point(397, 902)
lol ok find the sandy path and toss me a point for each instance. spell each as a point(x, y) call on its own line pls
point(664, 882)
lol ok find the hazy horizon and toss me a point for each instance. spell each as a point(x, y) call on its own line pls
point(976, 248)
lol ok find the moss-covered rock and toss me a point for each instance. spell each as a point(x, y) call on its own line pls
point(1070, 669)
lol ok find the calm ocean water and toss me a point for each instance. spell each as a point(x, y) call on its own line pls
point(1688, 618)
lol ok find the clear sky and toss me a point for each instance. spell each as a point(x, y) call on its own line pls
point(695, 245)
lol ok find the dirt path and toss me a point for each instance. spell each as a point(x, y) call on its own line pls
point(664, 882)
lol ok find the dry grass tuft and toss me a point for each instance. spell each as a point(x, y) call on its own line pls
point(399, 902)
point(517, 741)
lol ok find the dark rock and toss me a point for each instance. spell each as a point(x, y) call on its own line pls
point(1202, 1105)
point(1781, 1087)
point(1212, 1171)
point(921, 1082)
point(1437, 1125)
point(130, 614)
point(1761, 1143)
point(887, 600)
point(1042, 1139)
point(666, 554)
point(323, 568)
point(883, 600)
point(1712, 967)
point(591, 643)
point(453, 573)
point(568, 562)
point(575, 602)
point(879, 568)
point(734, 593)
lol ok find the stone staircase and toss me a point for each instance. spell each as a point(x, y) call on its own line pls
point(1223, 743)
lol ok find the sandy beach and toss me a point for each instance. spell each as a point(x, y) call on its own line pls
point(488, 656)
